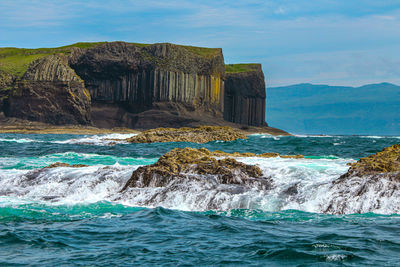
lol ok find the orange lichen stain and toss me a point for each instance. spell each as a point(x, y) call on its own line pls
point(87, 94)
point(215, 89)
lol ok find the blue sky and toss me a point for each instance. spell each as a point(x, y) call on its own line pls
point(346, 42)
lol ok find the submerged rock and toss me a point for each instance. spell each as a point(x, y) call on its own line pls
point(62, 164)
point(201, 134)
point(371, 184)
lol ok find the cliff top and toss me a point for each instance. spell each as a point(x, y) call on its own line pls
point(245, 67)
point(15, 61)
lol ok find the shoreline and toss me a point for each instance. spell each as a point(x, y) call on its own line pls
point(18, 126)
point(90, 130)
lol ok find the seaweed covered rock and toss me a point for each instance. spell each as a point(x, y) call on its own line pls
point(201, 134)
point(188, 163)
point(385, 161)
point(62, 164)
point(181, 164)
point(372, 184)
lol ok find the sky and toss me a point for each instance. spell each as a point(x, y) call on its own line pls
point(336, 42)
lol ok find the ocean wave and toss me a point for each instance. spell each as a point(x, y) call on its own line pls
point(71, 158)
point(20, 140)
point(378, 136)
point(314, 136)
point(98, 139)
point(296, 184)
point(101, 140)
point(96, 183)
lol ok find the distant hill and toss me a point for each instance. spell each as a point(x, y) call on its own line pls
point(372, 109)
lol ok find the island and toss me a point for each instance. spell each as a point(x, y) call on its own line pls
point(130, 85)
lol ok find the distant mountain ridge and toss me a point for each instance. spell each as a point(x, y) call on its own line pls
point(323, 109)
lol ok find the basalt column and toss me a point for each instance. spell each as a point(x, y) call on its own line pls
point(137, 77)
point(245, 96)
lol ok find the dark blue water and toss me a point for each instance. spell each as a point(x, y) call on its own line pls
point(74, 231)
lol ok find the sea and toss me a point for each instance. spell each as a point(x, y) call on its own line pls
point(80, 217)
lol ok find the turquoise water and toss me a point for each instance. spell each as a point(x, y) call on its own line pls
point(78, 216)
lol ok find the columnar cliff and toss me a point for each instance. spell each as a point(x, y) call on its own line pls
point(131, 85)
point(50, 91)
point(245, 94)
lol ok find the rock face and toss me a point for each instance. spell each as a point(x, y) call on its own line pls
point(131, 85)
point(6, 81)
point(144, 78)
point(377, 175)
point(178, 162)
point(385, 162)
point(181, 164)
point(51, 92)
point(245, 96)
point(202, 134)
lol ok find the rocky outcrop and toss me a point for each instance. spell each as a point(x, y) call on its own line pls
point(202, 134)
point(6, 81)
point(386, 161)
point(51, 92)
point(188, 163)
point(245, 95)
point(132, 85)
point(141, 78)
point(376, 175)
point(62, 164)
point(185, 163)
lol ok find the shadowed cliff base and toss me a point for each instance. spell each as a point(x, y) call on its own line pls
point(15, 125)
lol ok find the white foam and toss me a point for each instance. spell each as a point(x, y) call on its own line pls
point(87, 139)
point(19, 140)
point(316, 135)
point(98, 139)
point(301, 184)
point(65, 185)
point(335, 257)
point(378, 136)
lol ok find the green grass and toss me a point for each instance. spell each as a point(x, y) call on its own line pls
point(202, 51)
point(15, 61)
point(237, 68)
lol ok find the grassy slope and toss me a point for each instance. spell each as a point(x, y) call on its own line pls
point(236, 68)
point(15, 61)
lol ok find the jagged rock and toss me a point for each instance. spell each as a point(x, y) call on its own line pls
point(218, 153)
point(186, 163)
point(376, 175)
point(178, 162)
point(201, 134)
point(62, 164)
point(6, 81)
point(245, 95)
point(385, 161)
point(141, 78)
point(51, 92)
